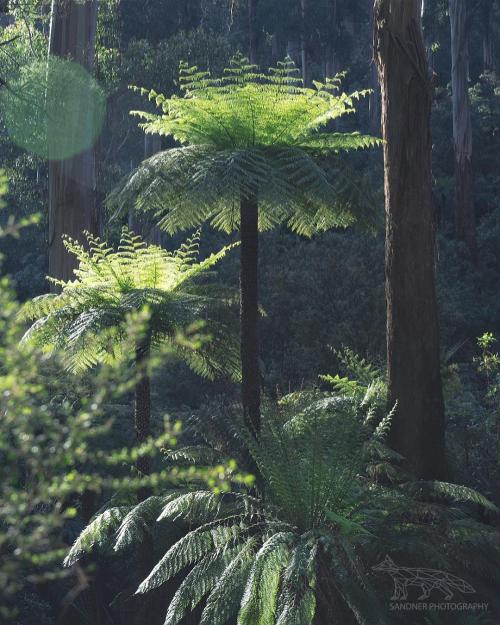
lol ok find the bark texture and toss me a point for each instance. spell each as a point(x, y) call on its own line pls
point(249, 312)
point(465, 219)
point(72, 182)
point(414, 378)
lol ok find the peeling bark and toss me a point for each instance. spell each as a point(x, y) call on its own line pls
point(414, 378)
point(374, 101)
point(142, 409)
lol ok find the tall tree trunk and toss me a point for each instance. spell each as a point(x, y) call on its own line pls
point(252, 33)
point(304, 60)
point(465, 219)
point(330, 62)
point(414, 378)
point(72, 182)
point(374, 101)
point(249, 312)
point(487, 10)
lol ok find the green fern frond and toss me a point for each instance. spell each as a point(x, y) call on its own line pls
point(199, 582)
point(258, 605)
point(97, 533)
point(89, 320)
point(187, 551)
point(197, 506)
point(225, 599)
point(450, 492)
point(244, 132)
point(138, 521)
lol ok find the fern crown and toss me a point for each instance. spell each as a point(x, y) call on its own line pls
point(249, 134)
point(89, 319)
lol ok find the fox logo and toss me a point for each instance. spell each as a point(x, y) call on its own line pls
point(426, 579)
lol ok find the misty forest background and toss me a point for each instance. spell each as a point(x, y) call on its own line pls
point(68, 434)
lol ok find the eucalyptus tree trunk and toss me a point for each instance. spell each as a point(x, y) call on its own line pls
point(487, 15)
point(249, 311)
point(304, 60)
point(374, 101)
point(252, 34)
point(330, 62)
point(72, 182)
point(465, 219)
point(414, 378)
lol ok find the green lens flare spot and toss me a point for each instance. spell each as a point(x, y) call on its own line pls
point(54, 109)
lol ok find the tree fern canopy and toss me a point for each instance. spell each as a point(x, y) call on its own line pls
point(248, 133)
point(89, 318)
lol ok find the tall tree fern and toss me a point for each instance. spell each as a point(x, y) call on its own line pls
point(164, 292)
point(253, 152)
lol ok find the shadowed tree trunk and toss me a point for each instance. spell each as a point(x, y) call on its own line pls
point(330, 62)
point(465, 219)
point(487, 15)
point(374, 101)
point(414, 379)
point(304, 60)
point(252, 34)
point(249, 312)
point(72, 182)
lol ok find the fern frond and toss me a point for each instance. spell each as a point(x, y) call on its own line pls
point(225, 598)
point(244, 131)
point(89, 320)
point(97, 533)
point(188, 550)
point(258, 605)
point(138, 521)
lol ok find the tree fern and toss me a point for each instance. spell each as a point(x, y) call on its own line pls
point(252, 157)
point(90, 320)
point(307, 539)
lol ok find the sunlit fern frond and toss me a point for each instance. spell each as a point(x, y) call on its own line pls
point(87, 321)
point(247, 133)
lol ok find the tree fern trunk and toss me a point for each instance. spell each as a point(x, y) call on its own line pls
point(249, 313)
point(413, 361)
point(143, 408)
